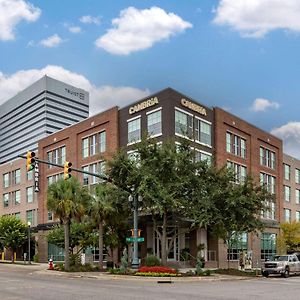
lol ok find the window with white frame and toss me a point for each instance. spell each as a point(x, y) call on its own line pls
point(50, 216)
point(57, 156)
point(154, 123)
point(96, 168)
point(16, 176)
point(287, 193)
point(287, 171)
point(29, 175)
point(6, 180)
point(202, 132)
point(54, 178)
point(287, 215)
point(202, 156)
point(269, 183)
point(267, 158)
point(235, 145)
point(29, 194)
point(134, 130)
point(134, 155)
point(5, 200)
point(297, 216)
point(93, 144)
point(239, 171)
point(183, 123)
point(297, 196)
point(30, 216)
point(297, 176)
point(17, 197)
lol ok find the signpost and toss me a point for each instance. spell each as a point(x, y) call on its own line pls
point(133, 239)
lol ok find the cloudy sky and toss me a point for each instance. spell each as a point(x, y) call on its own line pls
point(241, 55)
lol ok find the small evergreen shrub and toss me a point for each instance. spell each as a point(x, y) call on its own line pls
point(152, 260)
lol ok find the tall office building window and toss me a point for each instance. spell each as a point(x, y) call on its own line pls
point(235, 145)
point(287, 171)
point(267, 158)
point(6, 180)
point(237, 244)
point(134, 130)
point(29, 194)
point(268, 245)
point(239, 171)
point(287, 215)
point(202, 132)
point(297, 196)
point(154, 123)
point(297, 176)
point(287, 193)
point(5, 200)
point(17, 197)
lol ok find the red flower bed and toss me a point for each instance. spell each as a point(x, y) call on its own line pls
point(157, 269)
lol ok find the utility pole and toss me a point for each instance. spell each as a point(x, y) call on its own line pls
point(135, 261)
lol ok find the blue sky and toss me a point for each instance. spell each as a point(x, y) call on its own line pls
point(241, 55)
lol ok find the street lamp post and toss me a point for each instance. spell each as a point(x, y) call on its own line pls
point(135, 259)
point(29, 224)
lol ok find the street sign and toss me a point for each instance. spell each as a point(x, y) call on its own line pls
point(132, 239)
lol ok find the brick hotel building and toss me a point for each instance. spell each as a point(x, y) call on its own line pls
point(217, 136)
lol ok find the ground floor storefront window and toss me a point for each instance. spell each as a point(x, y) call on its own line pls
point(55, 253)
point(268, 245)
point(236, 245)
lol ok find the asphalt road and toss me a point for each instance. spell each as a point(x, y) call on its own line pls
point(27, 283)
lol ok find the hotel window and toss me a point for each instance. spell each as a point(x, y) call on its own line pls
point(6, 180)
point(235, 145)
point(287, 193)
point(297, 196)
point(237, 244)
point(297, 216)
point(202, 132)
point(17, 197)
point(134, 130)
point(239, 171)
point(297, 175)
point(16, 176)
point(5, 200)
point(30, 175)
point(30, 216)
point(267, 245)
point(29, 194)
point(269, 182)
point(94, 144)
point(267, 158)
point(183, 124)
point(201, 156)
point(57, 156)
point(287, 171)
point(287, 215)
point(154, 123)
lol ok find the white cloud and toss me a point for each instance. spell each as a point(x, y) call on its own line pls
point(52, 41)
point(90, 20)
point(101, 97)
point(138, 29)
point(255, 18)
point(75, 29)
point(290, 134)
point(13, 12)
point(261, 104)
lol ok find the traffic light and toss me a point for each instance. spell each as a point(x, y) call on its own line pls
point(67, 170)
point(30, 160)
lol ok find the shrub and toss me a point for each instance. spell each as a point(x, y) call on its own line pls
point(152, 260)
point(156, 274)
point(157, 269)
point(36, 258)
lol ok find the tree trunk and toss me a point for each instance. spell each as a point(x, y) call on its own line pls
point(101, 245)
point(164, 240)
point(67, 244)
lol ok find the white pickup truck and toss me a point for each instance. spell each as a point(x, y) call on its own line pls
point(281, 264)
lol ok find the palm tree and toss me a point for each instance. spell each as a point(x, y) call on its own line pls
point(101, 209)
point(67, 199)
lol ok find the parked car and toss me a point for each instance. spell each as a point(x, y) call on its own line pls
point(282, 264)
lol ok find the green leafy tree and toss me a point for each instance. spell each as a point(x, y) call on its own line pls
point(13, 233)
point(106, 208)
point(68, 200)
point(289, 238)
